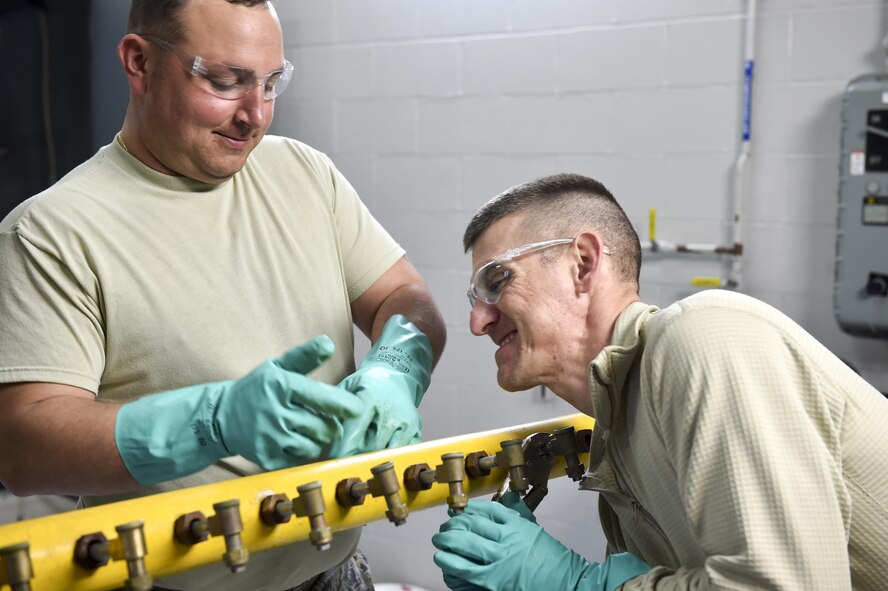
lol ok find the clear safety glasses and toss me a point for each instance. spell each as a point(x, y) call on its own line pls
point(491, 279)
point(224, 81)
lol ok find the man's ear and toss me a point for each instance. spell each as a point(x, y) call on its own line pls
point(589, 253)
point(131, 51)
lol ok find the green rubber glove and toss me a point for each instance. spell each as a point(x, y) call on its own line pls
point(510, 500)
point(275, 416)
point(390, 381)
point(516, 503)
point(490, 546)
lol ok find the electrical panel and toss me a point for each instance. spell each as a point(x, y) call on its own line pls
point(861, 278)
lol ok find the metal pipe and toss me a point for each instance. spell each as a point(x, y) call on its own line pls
point(53, 538)
point(662, 246)
point(741, 168)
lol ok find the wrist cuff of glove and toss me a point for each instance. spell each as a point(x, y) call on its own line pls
point(166, 436)
point(406, 349)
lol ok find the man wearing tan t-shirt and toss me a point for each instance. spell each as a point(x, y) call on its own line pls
point(163, 304)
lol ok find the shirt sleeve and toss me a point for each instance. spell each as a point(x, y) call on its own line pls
point(368, 250)
point(50, 317)
point(756, 448)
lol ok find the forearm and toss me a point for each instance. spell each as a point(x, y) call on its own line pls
point(400, 290)
point(59, 440)
point(414, 302)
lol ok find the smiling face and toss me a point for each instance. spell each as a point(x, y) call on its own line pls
point(184, 129)
point(532, 322)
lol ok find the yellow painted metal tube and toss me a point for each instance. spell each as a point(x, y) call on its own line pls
point(52, 538)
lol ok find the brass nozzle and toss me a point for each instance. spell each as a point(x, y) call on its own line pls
point(16, 563)
point(132, 548)
point(227, 522)
point(311, 504)
point(385, 483)
point(453, 472)
point(512, 456)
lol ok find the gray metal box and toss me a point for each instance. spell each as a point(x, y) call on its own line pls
point(861, 277)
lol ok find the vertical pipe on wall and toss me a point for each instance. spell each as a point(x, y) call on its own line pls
point(741, 168)
point(52, 174)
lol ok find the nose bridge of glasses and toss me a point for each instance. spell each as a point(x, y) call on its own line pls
point(480, 308)
point(482, 318)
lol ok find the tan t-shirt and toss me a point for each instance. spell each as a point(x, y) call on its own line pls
point(125, 282)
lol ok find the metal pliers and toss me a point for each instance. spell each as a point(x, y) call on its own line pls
point(541, 452)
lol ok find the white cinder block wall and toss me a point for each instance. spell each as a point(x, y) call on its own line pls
point(431, 107)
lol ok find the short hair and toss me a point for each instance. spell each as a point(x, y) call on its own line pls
point(563, 206)
point(161, 17)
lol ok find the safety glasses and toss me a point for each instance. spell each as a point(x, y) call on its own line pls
point(492, 278)
point(224, 81)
